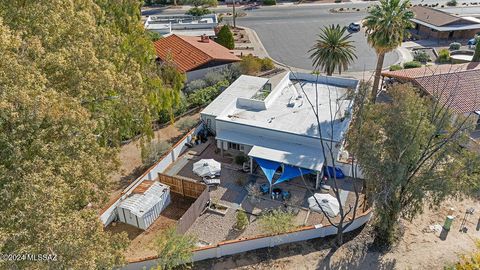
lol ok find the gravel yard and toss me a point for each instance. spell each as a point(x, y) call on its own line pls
point(213, 227)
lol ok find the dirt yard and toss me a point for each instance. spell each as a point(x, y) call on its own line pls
point(142, 242)
point(420, 247)
point(131, 159)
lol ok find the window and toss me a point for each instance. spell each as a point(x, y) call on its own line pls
point(235, 146)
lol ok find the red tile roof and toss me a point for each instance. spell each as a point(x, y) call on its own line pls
point(457, 85)
point(189, 52)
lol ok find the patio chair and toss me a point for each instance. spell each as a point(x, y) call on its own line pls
point(211, 181)
point(264, 189)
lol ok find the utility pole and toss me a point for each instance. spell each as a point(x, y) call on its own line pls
point(234, 15)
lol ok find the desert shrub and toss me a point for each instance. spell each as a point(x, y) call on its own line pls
point(240, 159)
point(185, 124)
point(277, 221)
point(455, 46)
point(205, 95)
point(395, 67)
point(195, 85)
point(232, 72)
point(152, 152)
point(412, 64)
point(443, 56)
point(198, 11)
point(267, 64)
point(269, 2)
point(173, 249)
point(242, 220)
point(452, 3)
point(421, 56)
point(213, 77)
point(225, 38)
point(250, 65)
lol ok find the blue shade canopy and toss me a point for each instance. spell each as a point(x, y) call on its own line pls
point(268, 167)
point(290, 172)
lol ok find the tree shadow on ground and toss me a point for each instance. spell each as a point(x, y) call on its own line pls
point(356, 260)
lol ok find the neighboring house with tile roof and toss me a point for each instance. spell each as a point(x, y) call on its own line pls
point(194, 56)
point(455, 85)
point(433, 23)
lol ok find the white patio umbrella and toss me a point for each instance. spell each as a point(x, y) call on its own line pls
point(328, 203)
point(206, 167)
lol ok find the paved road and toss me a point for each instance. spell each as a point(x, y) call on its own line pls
point(289, 31)
point(288, 36)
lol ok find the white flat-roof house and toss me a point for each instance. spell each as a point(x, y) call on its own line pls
point(186, 25)
point(272, 120)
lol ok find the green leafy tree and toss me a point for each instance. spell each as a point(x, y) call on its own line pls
point(173, 82)
point(333, 50)
point(410, 154)
point(386, 25)
point(52, 168)
point(174, 249)
point(100, 56)
point(225, 38)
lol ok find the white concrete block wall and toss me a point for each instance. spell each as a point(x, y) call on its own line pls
point(234, 247)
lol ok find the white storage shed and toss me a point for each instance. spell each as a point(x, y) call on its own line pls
point(145, 204)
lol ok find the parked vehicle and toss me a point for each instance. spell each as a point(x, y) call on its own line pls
point(252, 6)
point(354, 27)
point(472, 41)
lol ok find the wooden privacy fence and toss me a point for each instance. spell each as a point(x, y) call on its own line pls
point(193, 212)
point(182, 186)
point(188, 188)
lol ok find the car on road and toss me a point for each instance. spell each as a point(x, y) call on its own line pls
point(251, 7)
point(354, 27)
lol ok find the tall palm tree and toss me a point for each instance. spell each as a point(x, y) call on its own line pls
point(386, 26)
point(333, 50)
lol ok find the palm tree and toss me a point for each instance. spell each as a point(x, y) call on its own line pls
point(386, 26)
point(333, 50)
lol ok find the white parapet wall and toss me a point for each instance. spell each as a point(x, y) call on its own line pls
point(247, 244)
point(109, 213)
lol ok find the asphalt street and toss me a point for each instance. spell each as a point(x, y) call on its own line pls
point(289, 31)
point(288, 35)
